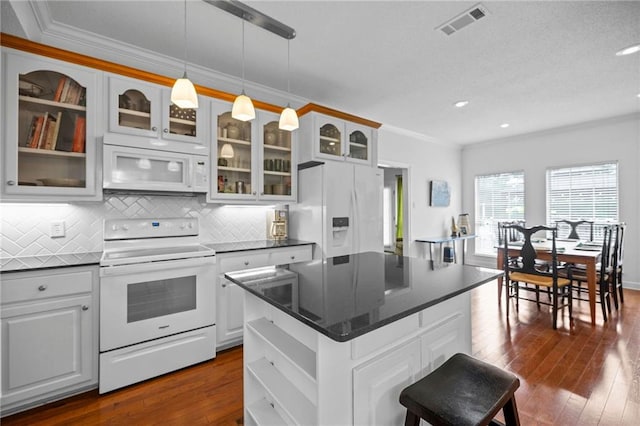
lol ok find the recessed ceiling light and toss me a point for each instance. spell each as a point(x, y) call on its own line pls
point(629, 50)
point(504, 125)
point(460, 104)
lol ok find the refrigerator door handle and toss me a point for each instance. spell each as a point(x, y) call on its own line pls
point(356, 218)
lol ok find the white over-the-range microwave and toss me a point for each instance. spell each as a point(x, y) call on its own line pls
point(126, 167)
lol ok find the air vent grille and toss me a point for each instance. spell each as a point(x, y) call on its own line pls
point(464, 19)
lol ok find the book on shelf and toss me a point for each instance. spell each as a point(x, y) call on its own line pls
point(38, 130)
point(58, 94)
point(52, 131)
point(79, 135)
point(31, 132)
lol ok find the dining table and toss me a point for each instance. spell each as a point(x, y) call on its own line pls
point(569, 251)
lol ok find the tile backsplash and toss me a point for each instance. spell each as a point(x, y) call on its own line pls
point(25, 228)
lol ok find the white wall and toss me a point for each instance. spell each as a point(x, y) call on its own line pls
point(616, 139)
point(426, 160)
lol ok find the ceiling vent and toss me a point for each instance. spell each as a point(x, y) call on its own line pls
point(470, 16)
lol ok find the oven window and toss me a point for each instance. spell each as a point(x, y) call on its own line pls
point(154, 299)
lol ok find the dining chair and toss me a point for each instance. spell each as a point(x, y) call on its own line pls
point(618, 255)
point(605, 271)
point(575, 226)
point(527, 270)
point(510, 234)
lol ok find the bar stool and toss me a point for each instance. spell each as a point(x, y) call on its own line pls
point(462, 391)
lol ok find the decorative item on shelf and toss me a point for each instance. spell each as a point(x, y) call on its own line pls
point(463, 224)
point(243, 107)
point(222, 162)
point(269, 138)
point(454, 227)
point(175, 111)
point(233, 131)
point(183, 92)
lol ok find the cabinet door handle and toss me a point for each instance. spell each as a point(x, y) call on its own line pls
point(254, 193)
point(11, 182)
point(165, 130)
point(293, 257)
point(42, 287)
point(85, 308)
point(154, 128)
point(246, 263)
point(224, 285)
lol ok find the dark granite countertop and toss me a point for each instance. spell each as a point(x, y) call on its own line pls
point(30, 263)
point(254, 245)
point(345, 297)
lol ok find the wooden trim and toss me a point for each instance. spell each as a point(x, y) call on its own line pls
point(338, 114)
point(18, 43)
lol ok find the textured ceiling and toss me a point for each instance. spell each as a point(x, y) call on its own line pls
point(534, 65)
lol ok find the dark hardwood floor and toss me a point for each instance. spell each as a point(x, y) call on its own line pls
point(581, 375)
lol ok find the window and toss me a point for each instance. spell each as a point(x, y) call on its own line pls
point(499, 197)
point(584, 192)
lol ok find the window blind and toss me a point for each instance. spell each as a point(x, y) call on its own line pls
point(587, 192)
point(498, 197)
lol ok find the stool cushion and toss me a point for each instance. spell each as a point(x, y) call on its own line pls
point(462, 391)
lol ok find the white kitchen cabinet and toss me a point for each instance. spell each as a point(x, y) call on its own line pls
point(324, 137)
point(253, 162)
point(229, 313)
point(377, 384)
point(229, 309)
point(49, 335)
point(143, 109)
point(49, 129)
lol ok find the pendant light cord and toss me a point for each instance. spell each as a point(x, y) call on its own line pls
point(289, 67)
point(185, 37)
point(243, 54)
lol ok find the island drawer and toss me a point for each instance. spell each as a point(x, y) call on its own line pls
point(29, 286)
point(243, 260)
point(238, 261)
point(290, 255)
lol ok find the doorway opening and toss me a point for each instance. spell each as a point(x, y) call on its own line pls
point(395, 213)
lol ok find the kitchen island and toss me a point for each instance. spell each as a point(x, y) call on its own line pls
point(334, 341)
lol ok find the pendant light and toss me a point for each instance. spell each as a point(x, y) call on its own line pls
point(288, 117)
point(243, 107)
point(183, 92)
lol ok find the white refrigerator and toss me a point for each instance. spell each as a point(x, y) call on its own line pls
point(339, 208)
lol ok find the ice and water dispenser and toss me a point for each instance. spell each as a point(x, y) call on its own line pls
point(340, 230)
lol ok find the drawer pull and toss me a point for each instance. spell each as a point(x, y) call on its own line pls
point(293, 257)
point(163, 326)
point(42, 287)
point(246, 263)
point(224, 286)
point(85, 308)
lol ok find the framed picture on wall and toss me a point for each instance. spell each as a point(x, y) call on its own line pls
point(440, 193)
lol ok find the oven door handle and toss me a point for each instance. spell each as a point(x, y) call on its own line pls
point(156, 266)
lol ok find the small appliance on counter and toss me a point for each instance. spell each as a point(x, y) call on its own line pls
point(277, 224)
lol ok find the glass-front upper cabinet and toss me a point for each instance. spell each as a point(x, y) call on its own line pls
point(50, 119)
point(332, 138)
point(145, 109)
point(358, 143)
point(278, 165)
point(234, 160)
point(254, 162)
